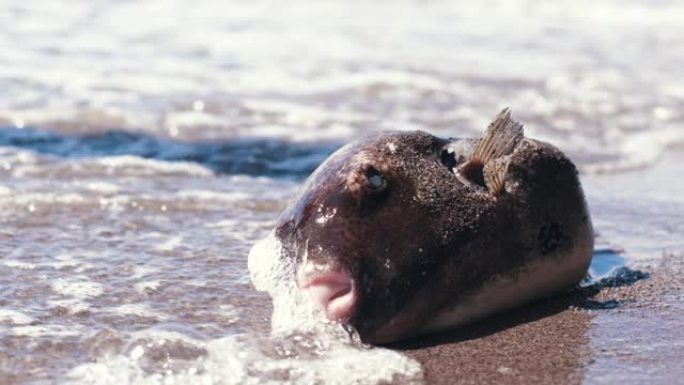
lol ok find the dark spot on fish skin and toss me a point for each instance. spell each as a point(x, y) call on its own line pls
point(550, 238)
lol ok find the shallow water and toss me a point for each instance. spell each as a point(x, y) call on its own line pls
point(145, 146)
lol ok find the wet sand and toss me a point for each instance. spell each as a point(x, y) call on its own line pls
point(623, 333)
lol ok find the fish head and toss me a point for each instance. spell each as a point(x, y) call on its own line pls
point(371, 226)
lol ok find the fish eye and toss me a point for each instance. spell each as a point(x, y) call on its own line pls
point(376, 181)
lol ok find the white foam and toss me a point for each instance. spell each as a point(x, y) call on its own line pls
point(140, 271)
point(12, 157)
point(40, 199)
point(139, 310)
point(272, 272)
point(64, 261)
point(19, 264)
point(141, 166)
point(103, 187)
point(73, 305)
point(228, 313)
point(240, 360)
point(48, 330)
point(170, 244)
point(225, 196)
point(77, 287)
point(15, 317)
point(163, 333)
point(144, 286)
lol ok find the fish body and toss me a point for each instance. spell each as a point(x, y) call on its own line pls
point(405, 233)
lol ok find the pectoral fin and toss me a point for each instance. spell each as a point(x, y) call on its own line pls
point(499, 140)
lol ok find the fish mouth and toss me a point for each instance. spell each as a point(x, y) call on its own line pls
point(331, 289)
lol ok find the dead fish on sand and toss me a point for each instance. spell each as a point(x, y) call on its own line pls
point(404, 233)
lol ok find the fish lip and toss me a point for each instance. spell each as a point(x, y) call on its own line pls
point(342, 300)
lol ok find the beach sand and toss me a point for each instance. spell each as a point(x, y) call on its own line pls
point(629, 334)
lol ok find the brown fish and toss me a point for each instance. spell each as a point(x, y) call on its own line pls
point(403, 233)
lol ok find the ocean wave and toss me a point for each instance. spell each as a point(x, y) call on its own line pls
point(140, 153)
